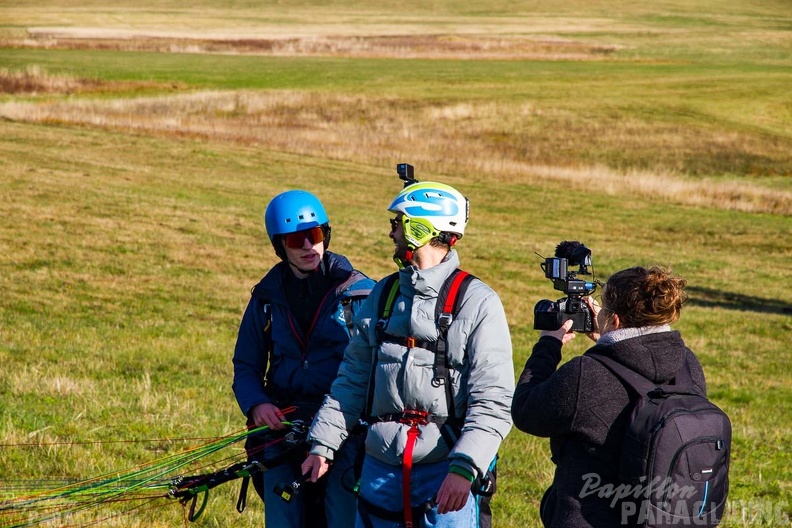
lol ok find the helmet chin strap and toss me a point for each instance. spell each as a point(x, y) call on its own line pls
point(448, 238)
point(403, 258)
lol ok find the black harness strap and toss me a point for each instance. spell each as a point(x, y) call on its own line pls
point(448, 304)
point(384, 306)
point(243, 490)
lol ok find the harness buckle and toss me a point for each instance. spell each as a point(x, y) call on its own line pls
point(414, 418)
point(444, 320)
point(409, 342)
point(254, 466)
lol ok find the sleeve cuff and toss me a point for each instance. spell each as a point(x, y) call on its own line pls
point(322, 450)
point(463, 470)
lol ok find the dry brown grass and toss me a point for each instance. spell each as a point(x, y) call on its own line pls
point(34, 81)
point(301, 20)
point(505, 30)
point(498, 140)
point(423, 46)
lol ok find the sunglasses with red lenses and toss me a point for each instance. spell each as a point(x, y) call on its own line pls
point(297, 240)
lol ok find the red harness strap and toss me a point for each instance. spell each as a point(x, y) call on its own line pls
point(453, 290)
point(413, 419)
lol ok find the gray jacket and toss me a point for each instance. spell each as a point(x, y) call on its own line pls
point(482, 375)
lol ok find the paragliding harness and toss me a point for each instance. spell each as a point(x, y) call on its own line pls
point(296, 444)
point(294, 449)
point(446, 309)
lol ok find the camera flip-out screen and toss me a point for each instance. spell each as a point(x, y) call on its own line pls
point(556, 268)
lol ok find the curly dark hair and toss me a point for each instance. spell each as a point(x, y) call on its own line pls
point(644, 297)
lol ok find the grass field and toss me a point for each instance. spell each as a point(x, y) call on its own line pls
point(140, 143)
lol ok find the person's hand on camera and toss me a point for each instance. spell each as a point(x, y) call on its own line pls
point(563, 334)
point(595, 308)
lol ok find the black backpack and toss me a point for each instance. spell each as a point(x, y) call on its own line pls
point(674, 464)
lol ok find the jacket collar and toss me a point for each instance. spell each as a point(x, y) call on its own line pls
point(426, 283)
point(337, 268)
point(620, 334)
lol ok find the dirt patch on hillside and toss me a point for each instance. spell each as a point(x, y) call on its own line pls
point(384, 46)
point(35, 81)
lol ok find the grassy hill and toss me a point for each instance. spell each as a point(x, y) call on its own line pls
point(140, 143)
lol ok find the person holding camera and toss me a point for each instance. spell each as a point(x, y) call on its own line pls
point(435, 424)
point(290, 343)
point(582, 406)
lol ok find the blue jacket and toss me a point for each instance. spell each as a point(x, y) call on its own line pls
point(274, 360)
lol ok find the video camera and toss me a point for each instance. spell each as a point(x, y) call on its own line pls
point(549, 315)
point(406, 173)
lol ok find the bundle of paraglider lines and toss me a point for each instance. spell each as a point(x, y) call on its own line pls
point(150, 484)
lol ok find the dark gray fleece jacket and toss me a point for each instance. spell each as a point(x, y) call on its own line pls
point(583, 408)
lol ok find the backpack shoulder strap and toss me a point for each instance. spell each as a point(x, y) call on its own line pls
point(350, 293)
point(447, 307)
point(385, 301)
point(448, 301)
point(346, 305)
point(257, 292)
point(387, 296)
point(450, 298)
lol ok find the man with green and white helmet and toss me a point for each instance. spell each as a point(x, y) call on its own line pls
point(431, 435)
point(431, 214)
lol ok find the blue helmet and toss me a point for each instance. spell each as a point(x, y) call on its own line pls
point(293, 211)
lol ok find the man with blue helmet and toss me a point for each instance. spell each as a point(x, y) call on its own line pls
point(432, 435)
point(291, 341)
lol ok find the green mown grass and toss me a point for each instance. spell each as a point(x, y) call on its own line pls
point(123, 288)
point(126, 259)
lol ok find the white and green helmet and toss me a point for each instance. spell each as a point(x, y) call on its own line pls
point(431, 210)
